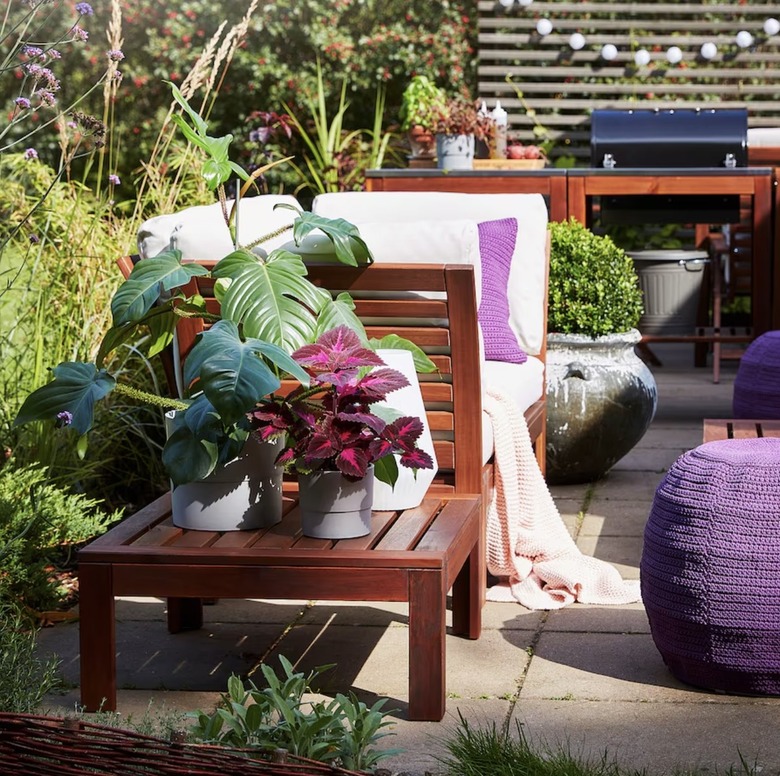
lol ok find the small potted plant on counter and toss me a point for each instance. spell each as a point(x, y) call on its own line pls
point(458, 126)
point(421, 104)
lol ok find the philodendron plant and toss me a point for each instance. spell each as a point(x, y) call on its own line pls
point(268, 309)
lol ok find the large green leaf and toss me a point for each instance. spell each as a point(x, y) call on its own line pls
point(187, 457)
point(231, 374)
point(349, 246)
point(272, 299)
point(149, 279)
point(75, 389)
point(340, 312)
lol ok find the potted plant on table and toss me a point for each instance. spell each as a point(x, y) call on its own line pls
point(459, 125)
point(421, 104)
point(601, 397)
point(268, 308)
point(335, 436)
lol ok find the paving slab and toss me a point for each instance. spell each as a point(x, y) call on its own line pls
point(609, 517)
point(623, 552)
point(604, 667)
point(659, 738)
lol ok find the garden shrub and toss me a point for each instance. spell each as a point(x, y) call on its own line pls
point(24, 677)
point(40, 525)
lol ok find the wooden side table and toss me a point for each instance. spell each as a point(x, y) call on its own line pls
point(715, 429)
point(416, 556)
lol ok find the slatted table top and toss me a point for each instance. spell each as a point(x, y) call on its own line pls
point(716, 429)
point(423, 537)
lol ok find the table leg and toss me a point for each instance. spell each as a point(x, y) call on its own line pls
point(184, 614)
point(97, 637)
point(427, 633)
point(467, 597)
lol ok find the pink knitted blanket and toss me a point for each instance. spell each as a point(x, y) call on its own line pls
point(528, 546)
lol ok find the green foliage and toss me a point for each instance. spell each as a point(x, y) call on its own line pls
point(422, 102)
point(342, 731)
point(478, 751)
point(594, 288)
point(24, 678)
point(39, 523)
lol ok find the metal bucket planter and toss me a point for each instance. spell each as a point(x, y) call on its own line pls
point(671, 284)
point(601, 399)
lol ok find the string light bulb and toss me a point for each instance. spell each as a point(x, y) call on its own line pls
point(577, 41)
point(744, 39)
point(609, 52)
point(708, 50)
point(674, 55)
point(771, 26)
point(544, 27)
point(642, 57)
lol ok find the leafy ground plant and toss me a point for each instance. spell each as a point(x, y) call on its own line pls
point(478, 751)
point(24, 678)
point(342, 731)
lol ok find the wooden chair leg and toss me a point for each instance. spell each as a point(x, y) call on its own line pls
point(184, 614)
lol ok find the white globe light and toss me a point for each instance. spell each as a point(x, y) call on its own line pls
point(642, 57)
point(506, 3)
point(544, 27)
point(674, 54)
point(709, 51)
point(744, 39)
point(577, 41)
point(771, 26)
point(609, 52)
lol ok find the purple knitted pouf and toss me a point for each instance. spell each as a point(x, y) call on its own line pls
point(757, 384)
point(710, 569)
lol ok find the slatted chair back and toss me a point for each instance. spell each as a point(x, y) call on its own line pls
point(434, 306)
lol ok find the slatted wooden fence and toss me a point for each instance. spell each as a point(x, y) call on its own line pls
point(562, 86)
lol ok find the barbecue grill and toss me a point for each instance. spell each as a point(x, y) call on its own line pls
point(676, 138)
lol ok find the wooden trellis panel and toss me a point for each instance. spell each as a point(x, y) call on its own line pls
point(562, 86)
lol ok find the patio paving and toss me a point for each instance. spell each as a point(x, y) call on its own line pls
point(586, 678)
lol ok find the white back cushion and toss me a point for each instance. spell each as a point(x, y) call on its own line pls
point(427, 210)
point(200, 232)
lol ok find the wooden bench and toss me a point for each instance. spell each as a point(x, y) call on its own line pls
point(413, 556)
point(715, 429)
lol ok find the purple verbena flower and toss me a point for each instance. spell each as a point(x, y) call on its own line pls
point(114, 179)
point(80, 34)
point(54, 54)
point(64, 418)
point(46, 97)
point(30, 153)
point(22, 102)
point(34, 239)
point(32, 51)
point(115, 55)
point(84, 9)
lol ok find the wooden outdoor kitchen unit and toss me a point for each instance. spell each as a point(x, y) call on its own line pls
point(570, 192)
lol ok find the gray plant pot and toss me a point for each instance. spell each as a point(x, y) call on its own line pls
point(333, 507)
point(601, 399)
point(244, 494)
point(455, 152)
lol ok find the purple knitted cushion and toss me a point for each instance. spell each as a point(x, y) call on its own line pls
point(496, 246)
point(757, 384)
point(710, 568)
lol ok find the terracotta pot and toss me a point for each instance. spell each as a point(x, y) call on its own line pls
point(422, 143)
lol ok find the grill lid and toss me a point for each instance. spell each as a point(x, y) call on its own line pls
point(669, 138)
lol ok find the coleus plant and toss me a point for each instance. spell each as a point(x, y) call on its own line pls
point(334, 424)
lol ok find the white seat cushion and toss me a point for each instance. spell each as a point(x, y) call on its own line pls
point(522, 382)
point(200, 232)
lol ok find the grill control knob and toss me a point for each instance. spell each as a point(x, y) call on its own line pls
point(608, 162)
